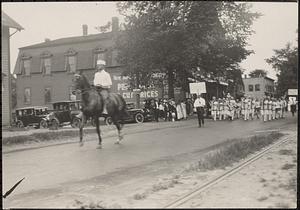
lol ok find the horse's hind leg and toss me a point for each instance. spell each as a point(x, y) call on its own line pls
point(83, 119)
point(98, 132)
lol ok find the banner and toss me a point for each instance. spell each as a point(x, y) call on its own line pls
point(292, 92)
point(198, 88)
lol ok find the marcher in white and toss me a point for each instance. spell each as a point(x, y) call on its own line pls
point(183, 107)
point(270, 107)
point(102, 81)
point(266, 109)
point(278, 109)
point(221, 109)
point(199, 104)
point(214, 107)
point(238, 109)
point(232, 107)
point(243, 107)
point(257, 108)
point(273, 109)
point(252, 109)
point(246, 105)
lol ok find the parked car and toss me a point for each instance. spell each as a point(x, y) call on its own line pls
point(31, 116)
point(138, 115)
point(65, 113)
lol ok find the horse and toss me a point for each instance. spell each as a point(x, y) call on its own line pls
point(93, 104)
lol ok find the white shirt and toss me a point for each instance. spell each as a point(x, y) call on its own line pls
point(102, 78)
point(199, 102)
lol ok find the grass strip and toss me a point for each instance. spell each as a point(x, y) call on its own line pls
point(236, 150)
point(41, 137)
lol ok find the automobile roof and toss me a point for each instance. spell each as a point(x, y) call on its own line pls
point(33, 107)
point(65, 101)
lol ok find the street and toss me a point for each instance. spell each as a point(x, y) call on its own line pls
point(59, 169)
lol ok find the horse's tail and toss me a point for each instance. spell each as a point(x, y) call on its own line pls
point(123, 107)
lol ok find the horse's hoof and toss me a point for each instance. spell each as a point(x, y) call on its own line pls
point(121, 137)
point(81, 144)
point(117, 142)
point(99, 147)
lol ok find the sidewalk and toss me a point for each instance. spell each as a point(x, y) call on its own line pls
point(270, 182)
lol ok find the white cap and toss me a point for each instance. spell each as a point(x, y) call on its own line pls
point(101, 62)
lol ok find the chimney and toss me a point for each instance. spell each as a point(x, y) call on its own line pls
point(115, 24)
point(47, 40)
point(84, 30)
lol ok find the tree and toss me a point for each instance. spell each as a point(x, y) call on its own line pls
point(258, 73)
point(285, 63)
point(13, 91)
point(178, 37)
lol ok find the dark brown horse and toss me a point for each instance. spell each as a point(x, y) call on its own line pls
point(92, 107)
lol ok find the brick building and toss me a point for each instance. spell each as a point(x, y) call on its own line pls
point(45, 70)
point(259, 87)
point(7, 23)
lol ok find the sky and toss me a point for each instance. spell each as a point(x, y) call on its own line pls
point(56, 20)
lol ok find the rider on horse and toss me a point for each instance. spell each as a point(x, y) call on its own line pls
point(102, 81)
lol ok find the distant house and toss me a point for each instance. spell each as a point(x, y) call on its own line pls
point(259, 87)
point(6, 24)
point(45, 71)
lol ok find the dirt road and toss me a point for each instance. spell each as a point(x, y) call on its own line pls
point(56, 176)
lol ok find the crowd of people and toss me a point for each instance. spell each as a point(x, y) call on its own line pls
point(169, 110)
point(227, 108)
point(248, 108)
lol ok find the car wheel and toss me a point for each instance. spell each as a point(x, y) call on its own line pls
point(108, 121)
point(20, 124)
point(76, 123)
point(139, 118)
point(43, 124)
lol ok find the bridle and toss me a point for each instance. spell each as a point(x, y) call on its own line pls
point(81, 91)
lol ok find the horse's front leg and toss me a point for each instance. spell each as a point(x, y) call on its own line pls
point(83, 121)
point(98, 132)
point(117, 124)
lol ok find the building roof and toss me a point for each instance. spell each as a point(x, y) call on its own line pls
point(70, 40)
point(259, 77)
point(9, 22)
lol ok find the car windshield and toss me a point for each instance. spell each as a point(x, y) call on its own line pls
point(130, 106)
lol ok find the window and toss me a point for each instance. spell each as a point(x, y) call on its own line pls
point(26, 67)
point(47, 95)
point(46, 66)
point(250, 87)
point(257, 87)
point(70, 65)
point(27, 95)
point(98, 56)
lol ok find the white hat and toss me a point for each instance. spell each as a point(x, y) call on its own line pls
point(101, 62)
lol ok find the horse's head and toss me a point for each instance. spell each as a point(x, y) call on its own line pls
point(80, 82)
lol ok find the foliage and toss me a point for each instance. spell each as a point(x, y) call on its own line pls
point(13, 92)
point(285, 63)
point(177, 37)
point(258, 73)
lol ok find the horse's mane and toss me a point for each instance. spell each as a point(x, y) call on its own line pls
point(85, 80)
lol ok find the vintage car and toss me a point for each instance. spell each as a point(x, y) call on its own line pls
point(138, 115)
point(64, 113)
point(31, 116)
